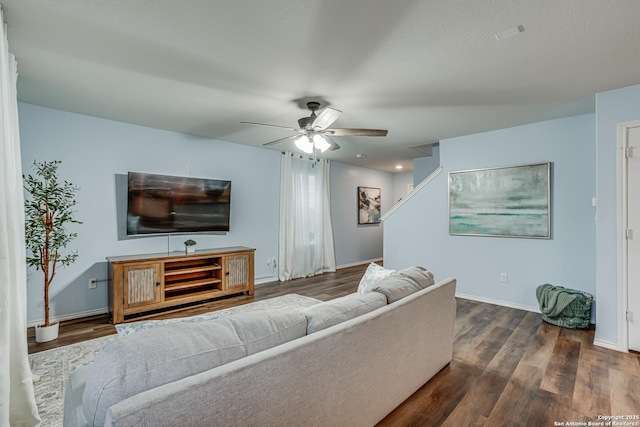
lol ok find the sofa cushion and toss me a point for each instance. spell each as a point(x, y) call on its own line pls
point(422, 276)
point(263, 329)
point(326, 314)
point(395, 287)
point(372, 274)
point(124, 329)
point(160, 355)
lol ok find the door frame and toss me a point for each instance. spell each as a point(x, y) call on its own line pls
point(623, 279)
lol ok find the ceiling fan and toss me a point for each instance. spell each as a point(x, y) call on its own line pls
point(314, 132)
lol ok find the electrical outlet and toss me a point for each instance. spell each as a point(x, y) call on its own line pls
point(93, 283)
point(504, 277)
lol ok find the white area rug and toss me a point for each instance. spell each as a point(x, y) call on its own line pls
point(51, 368)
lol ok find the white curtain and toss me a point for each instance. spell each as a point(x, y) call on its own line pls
point(17, 401)
point(306, 235)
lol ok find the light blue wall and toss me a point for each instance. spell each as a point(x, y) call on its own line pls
point(355, 243)
point(93, 151)
point(613, 107)
point(401, 182)
point(96, 152)
point(418, 232)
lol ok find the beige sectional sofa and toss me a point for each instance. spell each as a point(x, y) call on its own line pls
point(345, 362)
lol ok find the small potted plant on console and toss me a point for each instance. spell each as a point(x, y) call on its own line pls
point(48, 212)
point(190, 246)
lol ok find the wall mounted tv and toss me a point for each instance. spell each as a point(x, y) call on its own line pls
point(162, 204)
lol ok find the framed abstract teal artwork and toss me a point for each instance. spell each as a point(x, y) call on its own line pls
point(513, 201)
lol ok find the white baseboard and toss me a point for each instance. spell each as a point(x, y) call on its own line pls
point(513, 305)
point(269, 279)
point(353, 264)
point(498, 302)
point(609, 345)
point(72, 316)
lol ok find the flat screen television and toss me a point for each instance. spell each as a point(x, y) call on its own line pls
point(162, 204)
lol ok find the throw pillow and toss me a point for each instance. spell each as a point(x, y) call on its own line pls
point(396, 286)
point(373, 274)
point(422, 276)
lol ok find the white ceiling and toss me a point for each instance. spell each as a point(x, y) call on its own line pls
point(423, 69)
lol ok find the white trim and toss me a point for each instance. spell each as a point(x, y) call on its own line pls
point(71, 316)
point(266, 279)
point(424, 182)
point(498, 302)
point(504, 304)
point(609, 345)
point(353, 264)
point(269, 279)
point(622, 330)
point(622, 285)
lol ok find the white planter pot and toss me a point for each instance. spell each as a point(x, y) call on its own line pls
point(47, 333)
point(191, 249)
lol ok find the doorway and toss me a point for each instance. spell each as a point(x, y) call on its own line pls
point(629, 153)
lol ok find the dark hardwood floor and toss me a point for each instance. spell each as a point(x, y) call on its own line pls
point(509, 368)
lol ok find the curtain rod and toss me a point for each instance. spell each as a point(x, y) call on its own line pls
point(317, 159)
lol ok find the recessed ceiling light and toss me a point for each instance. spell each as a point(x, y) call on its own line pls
point(510, 33)
point(398, 166)
point(361, 156)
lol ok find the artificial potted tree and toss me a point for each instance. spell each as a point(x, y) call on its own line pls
point(49, 210)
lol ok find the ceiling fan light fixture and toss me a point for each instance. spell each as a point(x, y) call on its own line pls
point(320, 143)
point(314, 132)
point(304, 144)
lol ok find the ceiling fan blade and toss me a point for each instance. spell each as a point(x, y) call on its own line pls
point(273, 126)
point(357, 132)
point(286, 138)
point(326, 117)
point(333, 143)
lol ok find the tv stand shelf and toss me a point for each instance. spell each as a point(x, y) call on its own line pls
point(143, 283)
point(190, 284)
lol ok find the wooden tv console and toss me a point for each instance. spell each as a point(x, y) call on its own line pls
point(144, 283)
